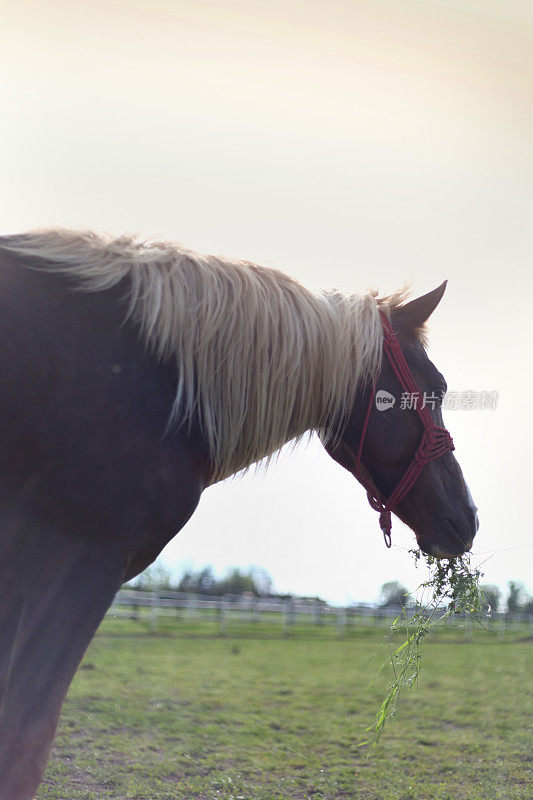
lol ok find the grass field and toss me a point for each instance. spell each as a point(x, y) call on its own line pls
point(257, 715)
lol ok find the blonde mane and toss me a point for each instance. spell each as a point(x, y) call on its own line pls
point(261, 359)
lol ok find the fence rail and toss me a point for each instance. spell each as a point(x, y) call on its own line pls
point(152, 605)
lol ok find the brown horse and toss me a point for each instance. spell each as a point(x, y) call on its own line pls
point(133, 377)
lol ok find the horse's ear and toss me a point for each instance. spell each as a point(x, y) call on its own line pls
point(413, 314)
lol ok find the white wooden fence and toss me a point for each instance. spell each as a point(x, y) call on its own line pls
point(152, 605)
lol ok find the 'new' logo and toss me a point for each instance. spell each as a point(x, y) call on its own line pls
point(384, 400)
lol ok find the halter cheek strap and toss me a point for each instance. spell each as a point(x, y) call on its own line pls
point(434, 443)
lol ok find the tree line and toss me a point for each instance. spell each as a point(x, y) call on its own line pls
point(514, 601)
point(253, 581)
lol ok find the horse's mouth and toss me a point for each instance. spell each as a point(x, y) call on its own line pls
point(439, 552)
point(450, 543)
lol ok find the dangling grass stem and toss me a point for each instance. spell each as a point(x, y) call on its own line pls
point(452, 584)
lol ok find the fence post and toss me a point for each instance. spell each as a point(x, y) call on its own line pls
point(190, 610)
point(223, 617)
point(287, 615)
point(341, 621)
point(153, 611)
point(256, 609)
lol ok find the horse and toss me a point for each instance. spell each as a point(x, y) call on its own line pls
point(133, 376)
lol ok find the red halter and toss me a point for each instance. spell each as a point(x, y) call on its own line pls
point(434, 443)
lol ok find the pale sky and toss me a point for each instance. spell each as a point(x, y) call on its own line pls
point(351, 144)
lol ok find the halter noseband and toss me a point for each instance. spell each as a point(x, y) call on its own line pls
point(434, 443)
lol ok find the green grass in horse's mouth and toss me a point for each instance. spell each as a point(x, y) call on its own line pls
point(451, 588)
